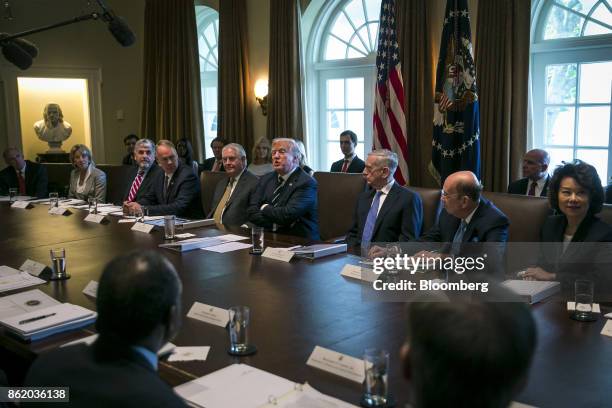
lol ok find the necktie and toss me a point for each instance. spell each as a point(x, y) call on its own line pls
point(217, 165)
point(277, 191)
point(458, 238)
point(532, 188)
point(224, 199)
point(135, 185)
point(368, 229)
point(167, 186)
point(21, 181)
point(345, 166)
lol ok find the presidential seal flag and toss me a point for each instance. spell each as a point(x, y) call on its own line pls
point(389, 118)
point(456, 134)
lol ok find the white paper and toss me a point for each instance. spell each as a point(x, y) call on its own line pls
point(209, 314)
point(32, 267)
point(16, 198)
point(25, 302)
point(184, 235)
point(189, 354)
point(91, 289)
point(108, 208)
point(607, 329)
point(95, 218)
point(358, 272)
point(126, 220)
point(278, 254)
point(58, 210)
point(608, 316)
point(232, 237)
point(337, 363)
point(230, 246)
point(142, 227)
point(55, 315)
point(20, 204)
point(307, 397)
point(571, 306)
point(11, 281)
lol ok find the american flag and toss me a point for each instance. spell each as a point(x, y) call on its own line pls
point(389, 118)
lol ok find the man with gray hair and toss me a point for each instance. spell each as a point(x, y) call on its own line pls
point(535, 173)
point(29, 178)
point(232, 195)
point(387, 212)
point(142, 172)
point(285, 200)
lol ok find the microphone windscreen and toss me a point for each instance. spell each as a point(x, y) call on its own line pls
point(120, 30)
point(27, 46)
point(16, 55)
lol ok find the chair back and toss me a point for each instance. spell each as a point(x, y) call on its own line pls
point(208, 182)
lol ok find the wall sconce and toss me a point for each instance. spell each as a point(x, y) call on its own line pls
point(261, 94)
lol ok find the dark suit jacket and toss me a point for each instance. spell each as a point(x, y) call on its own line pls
point(145, 186)
point(235, 213)
point(128, 160)
point(520, 187)
point(182, 199)
point(586, 257)
point(357, 165)
point(399, 219)
point(295, 213)
point(36, 180)
point(209, 163)
point(102, 375)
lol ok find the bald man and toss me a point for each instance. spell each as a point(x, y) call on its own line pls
point(535, 175)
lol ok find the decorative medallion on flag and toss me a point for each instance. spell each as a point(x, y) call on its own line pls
point(389, 118)
point(456, 133)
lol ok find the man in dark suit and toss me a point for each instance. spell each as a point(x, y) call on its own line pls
point(141, 175)
point(285, 200)
point(387, 212)
point(351, 163)
point(139, 310)
point(130, 142)
point(29, 178)
point(215, 163)
point(175, 189)
point(535, 175)
point(232, 195)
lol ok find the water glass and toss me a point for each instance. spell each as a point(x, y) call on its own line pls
point(583, 296)
point(58, 264)
point(54, 199)
point(376, 365)
point(239, 318)
point(169, 226)
point(257, 239)
point(12, 194)
point(391, 251)
point(93, 205)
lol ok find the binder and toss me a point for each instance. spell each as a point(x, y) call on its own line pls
point(319, 250)
point(533, 291)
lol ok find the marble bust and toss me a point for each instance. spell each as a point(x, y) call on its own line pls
point(53, 129)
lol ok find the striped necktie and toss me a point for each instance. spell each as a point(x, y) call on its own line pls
point(136, 185)
point(345, 166)
point(278, 191)
point(218, 215)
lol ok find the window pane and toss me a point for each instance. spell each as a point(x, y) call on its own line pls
point(363, 33)
point(562, 23)
point(353, 53)
point(598, 159)
point(354, 121)
point(355, 12)
point(333, 154)
point(335, 124)
point(557, 156)
point(335, 93)
point(342, 28)
point(561, 83)
point(354, 93)
point(594, 126)
point(373, 9)
point(335, 49)
point(595, 82)
point(356, 43)
point(583, 6)
point(359, 149)
point(209, 33)
point(602, 14)
point(374, 31)
point(559, 129)
point(595, 29)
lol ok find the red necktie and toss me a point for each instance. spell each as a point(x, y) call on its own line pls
point(532, 189)
point(21, 181)
point(345, 166)
point(217, 165)
point(135, 186)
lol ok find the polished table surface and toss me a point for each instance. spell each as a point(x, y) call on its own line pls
point(295, 306)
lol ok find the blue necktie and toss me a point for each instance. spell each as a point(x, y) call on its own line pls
point(368, 229)
point(458, 238)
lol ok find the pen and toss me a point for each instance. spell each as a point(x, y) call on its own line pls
point(33, 319)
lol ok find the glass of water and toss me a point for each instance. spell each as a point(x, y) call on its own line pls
point(583, 295)
point(12, 194)
point(376, 365)
point(169, 226)
point(53, 199)
point(58, 264)
point(257, 239)
point(93, 205)
point(239, 320)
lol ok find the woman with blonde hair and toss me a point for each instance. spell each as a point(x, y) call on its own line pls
point(262, 162)
point(86, 181)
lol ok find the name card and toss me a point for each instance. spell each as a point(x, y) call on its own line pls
point(571, 306)
point(21, 204)
point(209, 314)
point(337, 363)
point(189, 354)
point(32, 267)
point(91, 289)
point(142, 227)
point(358, 272)
point(607, 329)
point(59, 211)
point(96, 218)
point(278, 254)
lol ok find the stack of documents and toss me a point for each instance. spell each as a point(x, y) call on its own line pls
point(44, 322)
point(24, 302)
point(533, 291)
point(16, 198)
point(11, 279)
point(320, 250)
point(252, 388)
point(181, 223)
point(193, 243)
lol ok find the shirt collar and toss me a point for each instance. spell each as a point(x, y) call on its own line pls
point(542, 181)
point(387, 188)
point(148, 355)
point(286, 176)
point(470, 215)
point(350, 159)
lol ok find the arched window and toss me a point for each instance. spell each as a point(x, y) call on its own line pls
point(340, 64)
point(207, 20)
point(572, 76)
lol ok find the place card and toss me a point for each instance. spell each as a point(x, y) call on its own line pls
point(91, 289)
point(32, 267)
point(278, 254)
point(189, 354)
point(358, 272)
point(142, 227)
point(209, 314)
point(126, 220)
point(337, 363)
point(571, 306)
point(96, 218)
point(607, 329)
point(21, 204)
point(59, 211)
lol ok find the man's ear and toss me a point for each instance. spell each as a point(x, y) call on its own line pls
point(405, 358)
point(172, 323)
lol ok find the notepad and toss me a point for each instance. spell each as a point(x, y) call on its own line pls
point(24, 302)
point(11, 279)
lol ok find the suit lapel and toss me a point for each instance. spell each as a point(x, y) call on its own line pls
point(385, 208)
point(471, 228)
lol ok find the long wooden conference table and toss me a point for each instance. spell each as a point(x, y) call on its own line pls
point(295, 307)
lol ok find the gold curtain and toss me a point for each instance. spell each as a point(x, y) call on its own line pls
point(172, 104)
point(285, 77)
point(235, 93)
point(415, 48)
point(502, 66)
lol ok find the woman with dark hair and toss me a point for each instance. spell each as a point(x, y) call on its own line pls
point(185, 153)
point(86, 181)
point(575, 192)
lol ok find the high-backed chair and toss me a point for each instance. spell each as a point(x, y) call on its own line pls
point(208, 182)
point(337, 198)
point(431, 206)
point(526, 214)
point(59, 177)
point(117, 181)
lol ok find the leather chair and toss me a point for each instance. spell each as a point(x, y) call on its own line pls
point(59, 177)
point(208, 182)
point(117, 182)
point(431, 206)
point(337, 196)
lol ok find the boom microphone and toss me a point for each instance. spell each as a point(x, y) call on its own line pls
point(117, 26)
point(16, 55)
